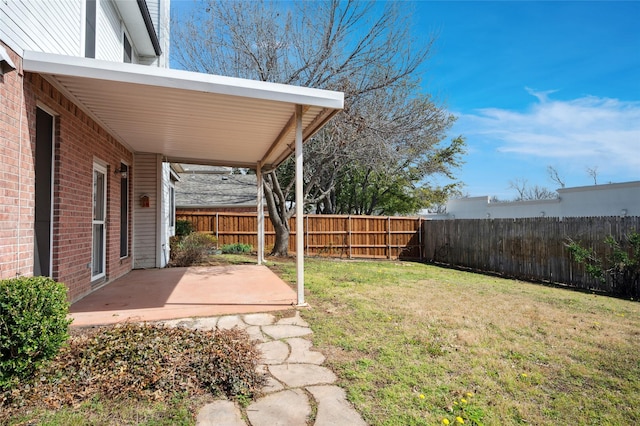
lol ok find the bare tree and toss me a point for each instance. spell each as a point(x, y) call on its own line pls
point(554, 175)
point(527, 193)
point(365, 50)
point(593, 173)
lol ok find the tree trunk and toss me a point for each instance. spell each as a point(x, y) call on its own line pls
point(281, 247)
point(278, 214)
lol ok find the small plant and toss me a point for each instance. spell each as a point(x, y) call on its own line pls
point(192, 249)
point(184, 228)
point(144, 362)
point(463, 411)
point(621, 266)
point(237, 248)
point(33, 326)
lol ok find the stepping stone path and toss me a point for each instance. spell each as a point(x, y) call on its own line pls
point(299, 390)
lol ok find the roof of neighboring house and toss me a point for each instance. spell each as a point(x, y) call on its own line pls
point(204, 190)
point(199, 168)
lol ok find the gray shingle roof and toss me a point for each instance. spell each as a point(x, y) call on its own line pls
point(216, 190)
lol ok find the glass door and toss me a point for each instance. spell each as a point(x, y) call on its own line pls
point(98, 259)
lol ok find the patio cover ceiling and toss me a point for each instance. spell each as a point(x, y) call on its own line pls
point(189, 117)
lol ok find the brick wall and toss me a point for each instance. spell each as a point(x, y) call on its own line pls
point(79, 141)
point(16, 177)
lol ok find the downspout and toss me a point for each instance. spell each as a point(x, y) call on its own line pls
point(22, 114)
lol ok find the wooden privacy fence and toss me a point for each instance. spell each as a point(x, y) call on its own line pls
point(532, 248)
point(372, 237)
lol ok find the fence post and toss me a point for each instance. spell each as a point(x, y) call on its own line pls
point(389, 237)
point(349, 234)
point(217, 228)
point(307, 234)
point(420, 237)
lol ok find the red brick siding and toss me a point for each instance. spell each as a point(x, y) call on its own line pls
point(79, 140)
point(16, 177)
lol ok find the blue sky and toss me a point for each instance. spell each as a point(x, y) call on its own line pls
point(537, 84)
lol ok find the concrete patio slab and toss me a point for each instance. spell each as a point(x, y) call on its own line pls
point(169, 293)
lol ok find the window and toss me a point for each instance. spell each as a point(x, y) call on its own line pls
point(98, 258)
point(90, 30)
point(126, 56)
point(124, 210)
point(43, 220)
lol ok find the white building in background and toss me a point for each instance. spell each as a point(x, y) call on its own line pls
point(614, 199)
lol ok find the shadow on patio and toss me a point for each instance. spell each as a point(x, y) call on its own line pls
point(170, 293)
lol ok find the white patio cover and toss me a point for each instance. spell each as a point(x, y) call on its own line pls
point(196, 118)
point(189, 117)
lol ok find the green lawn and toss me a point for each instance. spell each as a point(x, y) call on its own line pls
point(415, 344)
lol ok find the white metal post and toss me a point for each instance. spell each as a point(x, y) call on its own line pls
point(299, 209)
point(260, 214)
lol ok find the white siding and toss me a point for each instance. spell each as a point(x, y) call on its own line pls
point(53, 26)
point(154, 11)
point(109, 32)
point(164, 32)
point(146, 177)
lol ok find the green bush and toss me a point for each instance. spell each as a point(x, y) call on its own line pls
point(237, 248)
point(620, 267)
point(192, 249)
point(184, 228)
point(33, 326)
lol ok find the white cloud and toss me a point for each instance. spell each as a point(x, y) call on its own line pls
point(583, 131)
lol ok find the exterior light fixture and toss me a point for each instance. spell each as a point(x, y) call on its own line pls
point(122, 172)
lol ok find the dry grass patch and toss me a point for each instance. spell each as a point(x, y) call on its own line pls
point(410, 342)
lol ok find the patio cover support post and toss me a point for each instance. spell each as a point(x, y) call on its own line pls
point(260, 213)
point(299, 209)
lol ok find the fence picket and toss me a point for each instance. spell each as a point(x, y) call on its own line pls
point(325, 235)
point(532, 248)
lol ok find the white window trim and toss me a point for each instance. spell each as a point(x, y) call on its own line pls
point(97, 166)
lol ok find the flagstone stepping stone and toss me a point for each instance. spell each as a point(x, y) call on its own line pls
point(298, 375)
point(182, 322)
point(294, 320)
point(259, 319)
point(286, 408)
point(271, 386)
point(284, 331)
point(220, 413)
point(274, 352)
point(255, 333)
point(301, 352)
point(230, 321)
point(333, 407)
point(205, 323)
